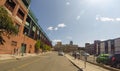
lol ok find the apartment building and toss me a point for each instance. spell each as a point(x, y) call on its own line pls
point(111, 46)
point(27, 24)
point(116, 48)
point(108, 46)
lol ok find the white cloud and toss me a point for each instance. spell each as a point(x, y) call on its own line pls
point(106, 19)
point(62, 25)
point(117, 19)
point(67, 3)
point(50, 28)
point(56, 28)
point(56, 40)
point(97, 18)
point(78, 17)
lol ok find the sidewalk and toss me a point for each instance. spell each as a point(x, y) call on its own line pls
point(81, 65)
point(9, 56)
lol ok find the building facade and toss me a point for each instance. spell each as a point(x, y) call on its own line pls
point(111, 46)
point(89, 48)
point(66, 47)
point(27, 24)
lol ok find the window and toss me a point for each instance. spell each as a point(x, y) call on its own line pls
point(26, 30)
point(20, 14)
point(14, 43)
point(10, 5)
point(32, 34)
point(38, 32)
point(28, 20)
point(34, 28)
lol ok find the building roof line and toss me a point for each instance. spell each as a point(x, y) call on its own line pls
point(35, 20)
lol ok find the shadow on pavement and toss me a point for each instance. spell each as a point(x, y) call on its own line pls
point(80, 70)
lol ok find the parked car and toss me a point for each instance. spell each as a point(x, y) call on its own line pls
point(114, 60)
point(85, 54)
point(76, 55)
point(103, 58)
point(61, 53)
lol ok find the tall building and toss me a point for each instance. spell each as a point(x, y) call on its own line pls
point(27, 24)
point(71, 42)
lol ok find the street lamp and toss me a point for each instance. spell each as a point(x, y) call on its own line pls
point(23, 45)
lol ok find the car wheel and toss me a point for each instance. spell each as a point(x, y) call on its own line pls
point(113, 65)
point(118, 66)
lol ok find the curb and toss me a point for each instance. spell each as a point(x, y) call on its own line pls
point(103, 66)
point(80, 69)
point(100, 65)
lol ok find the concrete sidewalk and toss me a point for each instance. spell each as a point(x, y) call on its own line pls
point(81, 65)
point(9, 56)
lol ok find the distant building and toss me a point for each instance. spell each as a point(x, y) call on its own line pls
point(59, 43)
point(111, 46)
point(71, 42)
point(89, 48)
point(66, 47)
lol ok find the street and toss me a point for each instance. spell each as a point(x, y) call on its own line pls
point(47, 62)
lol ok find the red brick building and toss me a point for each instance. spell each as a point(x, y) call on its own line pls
point(26, 22)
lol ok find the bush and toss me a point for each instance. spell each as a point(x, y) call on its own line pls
point(37, 45)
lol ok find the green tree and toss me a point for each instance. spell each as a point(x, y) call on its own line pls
point(37, 45)
point(6, 25)
point(46, 47)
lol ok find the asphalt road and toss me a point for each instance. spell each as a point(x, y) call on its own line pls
point(48, 62)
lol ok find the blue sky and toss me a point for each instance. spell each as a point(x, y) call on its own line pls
point(81, 21)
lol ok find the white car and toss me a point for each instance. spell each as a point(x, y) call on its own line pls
point(86, 54)
point(61, 53)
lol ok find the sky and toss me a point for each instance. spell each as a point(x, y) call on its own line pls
point(80, 21)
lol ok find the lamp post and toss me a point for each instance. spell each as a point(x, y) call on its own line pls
point(23, 45)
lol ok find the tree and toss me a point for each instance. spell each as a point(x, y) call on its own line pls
point(46, 47)
point(37, 45)
point(6, 25)
point(40, 45)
